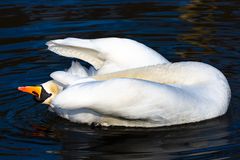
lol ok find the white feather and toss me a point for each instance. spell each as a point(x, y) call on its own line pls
point(107, 54)
point(135, 86)
point(77, 69)
point(75, 74)
point(174, 94)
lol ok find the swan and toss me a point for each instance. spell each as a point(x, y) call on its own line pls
point(130, 85)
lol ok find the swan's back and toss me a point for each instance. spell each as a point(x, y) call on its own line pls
point(182, 73)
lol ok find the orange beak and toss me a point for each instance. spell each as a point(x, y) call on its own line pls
point(34, 90)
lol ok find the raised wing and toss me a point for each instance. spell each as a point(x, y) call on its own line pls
point(107, 54)
point(82, 50)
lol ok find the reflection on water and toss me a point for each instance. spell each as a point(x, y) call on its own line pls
point(166, 143)
point(206, 31)
point(211, 23)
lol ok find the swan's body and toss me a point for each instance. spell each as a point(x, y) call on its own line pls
point(134, 86)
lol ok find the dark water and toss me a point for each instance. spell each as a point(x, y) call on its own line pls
point(207, 31)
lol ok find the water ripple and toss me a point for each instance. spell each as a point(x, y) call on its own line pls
point(206, 31)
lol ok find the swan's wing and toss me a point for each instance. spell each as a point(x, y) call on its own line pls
point(130, 99)
point(77, 48)
point(107, 54)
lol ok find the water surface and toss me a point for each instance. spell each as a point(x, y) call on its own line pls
point(206, 31)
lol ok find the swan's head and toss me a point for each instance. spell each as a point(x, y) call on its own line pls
point(43, 93)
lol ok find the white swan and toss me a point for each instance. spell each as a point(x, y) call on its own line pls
point(132, 86)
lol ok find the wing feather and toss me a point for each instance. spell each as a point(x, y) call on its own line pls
point(86, 54)
point(107, 54)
